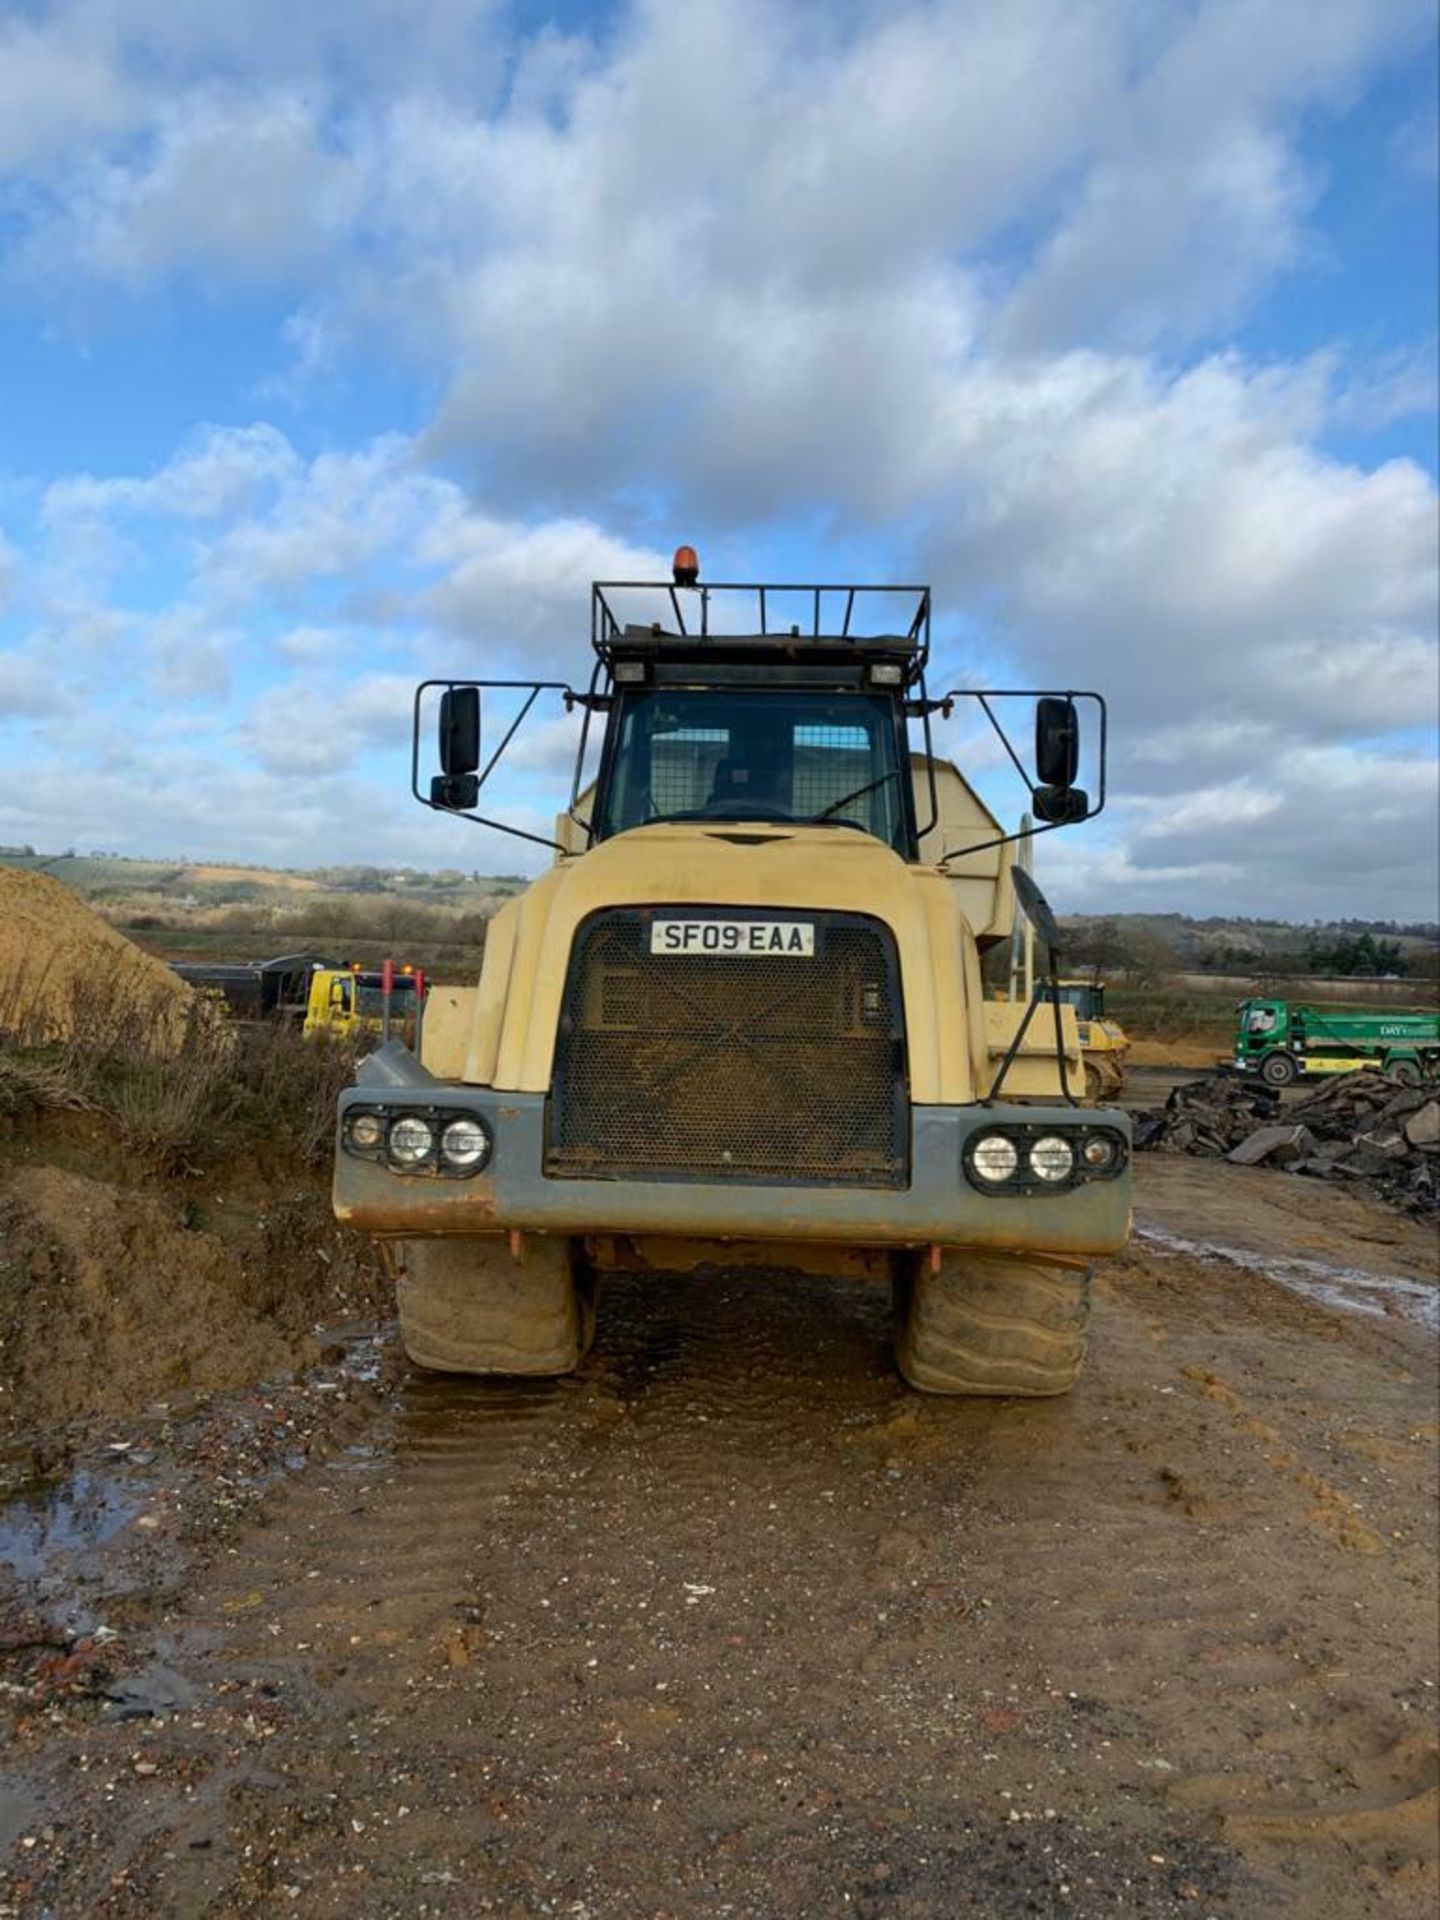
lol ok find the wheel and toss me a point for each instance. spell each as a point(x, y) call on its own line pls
point(1094, 1083)
point(1405, 1073)
point(991, 1323)
point(468, 1305)
point(1278, 1069)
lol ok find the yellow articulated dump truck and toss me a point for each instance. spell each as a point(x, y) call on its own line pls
point(740, 1018)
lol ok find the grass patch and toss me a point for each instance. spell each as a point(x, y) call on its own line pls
point(1171, 1013)
point(212, 1089)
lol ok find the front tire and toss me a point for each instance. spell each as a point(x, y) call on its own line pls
point(991, 1323)
point(1278, 1070)
point(1405, 1073)
point(469, 1305)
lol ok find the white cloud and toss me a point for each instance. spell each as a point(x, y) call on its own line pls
point(190, 659)
point(1196, 197)
point(321, 723)
point(28, 684)
point(936, 279)
point(58, 87)
point(1176, 540)
point(241, 187)
point(518, 593)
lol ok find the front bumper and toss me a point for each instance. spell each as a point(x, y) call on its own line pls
point(939, 1206)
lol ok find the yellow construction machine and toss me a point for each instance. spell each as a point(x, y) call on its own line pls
point(740, 1018)
point(345, 1001)
point(1104, 1043)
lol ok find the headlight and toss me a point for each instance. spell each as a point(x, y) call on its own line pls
point(1052, 1159)
point(465, 1143)
point(410, 1141)
point(1099, 1152)
point(366, 1130)
point(994, 1158)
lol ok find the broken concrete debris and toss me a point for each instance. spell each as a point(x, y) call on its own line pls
point(1356, 1126)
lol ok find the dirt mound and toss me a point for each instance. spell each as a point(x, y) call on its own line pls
point(65, 972)
point(108, 1301)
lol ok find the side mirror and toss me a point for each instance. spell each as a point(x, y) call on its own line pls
point(456, 792)
point(1057, 742)
point(1061, 806)
point(460, 730)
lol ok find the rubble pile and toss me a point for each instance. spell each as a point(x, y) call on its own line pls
point(1357, 1126)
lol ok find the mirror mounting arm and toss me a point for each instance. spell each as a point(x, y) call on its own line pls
point(532, 689)
point(1049, 810)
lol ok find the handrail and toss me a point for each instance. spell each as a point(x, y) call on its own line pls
point(606, 625)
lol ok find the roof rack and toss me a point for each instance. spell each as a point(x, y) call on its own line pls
point(830, 608)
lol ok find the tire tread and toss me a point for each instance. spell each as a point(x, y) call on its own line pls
point(991, 1324)
point(467, 1306)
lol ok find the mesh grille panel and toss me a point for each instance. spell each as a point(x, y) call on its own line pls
point(683, 766)
point(715, 1067)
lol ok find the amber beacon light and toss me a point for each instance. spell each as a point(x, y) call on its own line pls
point(686, 567)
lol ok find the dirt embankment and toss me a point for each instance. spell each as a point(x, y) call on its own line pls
point(119, 1287)
point(65, 973)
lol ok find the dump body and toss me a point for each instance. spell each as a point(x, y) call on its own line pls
point(1287, 1038)
point(255, 989)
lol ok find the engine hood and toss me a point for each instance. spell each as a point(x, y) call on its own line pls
point(517, 1008)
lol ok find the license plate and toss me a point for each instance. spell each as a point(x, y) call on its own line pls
point(743, 937)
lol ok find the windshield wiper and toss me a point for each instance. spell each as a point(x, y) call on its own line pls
point(859, 794)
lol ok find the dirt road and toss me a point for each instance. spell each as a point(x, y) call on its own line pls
point(734, 1625)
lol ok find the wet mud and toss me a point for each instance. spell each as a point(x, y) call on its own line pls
point(733, 1624)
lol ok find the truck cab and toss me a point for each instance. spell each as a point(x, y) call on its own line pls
point(740, 1018)
point(346, 1001)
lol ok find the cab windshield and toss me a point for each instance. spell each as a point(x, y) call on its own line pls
point(796, 757)
point(372, 994)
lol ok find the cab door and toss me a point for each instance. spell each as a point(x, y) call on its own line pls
point(332, 1004)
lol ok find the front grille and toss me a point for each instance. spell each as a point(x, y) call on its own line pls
point(722, 1067)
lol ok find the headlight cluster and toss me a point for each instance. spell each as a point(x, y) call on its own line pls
point(1042, 1159)
point(418, 1140)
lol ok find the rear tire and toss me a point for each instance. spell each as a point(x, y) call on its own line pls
point(467, 1305)
point(991, 1323)
point(1405, 1073)
point(1278, 1070)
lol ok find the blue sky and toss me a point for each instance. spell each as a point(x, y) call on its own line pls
point(344, 345)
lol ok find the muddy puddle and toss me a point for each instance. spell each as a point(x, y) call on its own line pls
point(1350, 1288)
point(57, 1544)
point(117, 1525)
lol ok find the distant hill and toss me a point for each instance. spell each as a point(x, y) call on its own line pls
point(1239, 947)
point(1191, 937)
point(115, 880)
point(222, 899)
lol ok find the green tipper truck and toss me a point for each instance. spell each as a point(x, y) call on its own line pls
point(1284, 1041)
